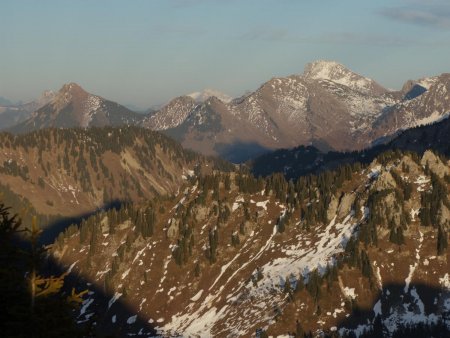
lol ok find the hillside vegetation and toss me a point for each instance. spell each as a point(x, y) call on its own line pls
point(360, 249)
point(71, 172)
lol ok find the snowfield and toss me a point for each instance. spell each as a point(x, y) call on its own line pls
point(201, 319)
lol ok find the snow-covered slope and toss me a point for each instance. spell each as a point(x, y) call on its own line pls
point(431, 106)
point(337, 73)
point(171, 115)
point(207, 93)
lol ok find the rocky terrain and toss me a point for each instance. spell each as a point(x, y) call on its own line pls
point(364, 248)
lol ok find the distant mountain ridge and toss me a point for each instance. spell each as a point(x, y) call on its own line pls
point(12, 114)
point(328, 106)
point(5, 102)
point(72, 106)
point(303, 160)
point(207, 93)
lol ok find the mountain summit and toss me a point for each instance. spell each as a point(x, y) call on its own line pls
point(207, 93)
point(72, 106)
point(338, 73)
point(329, 106)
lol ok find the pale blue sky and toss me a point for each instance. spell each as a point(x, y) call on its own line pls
point(146, 52)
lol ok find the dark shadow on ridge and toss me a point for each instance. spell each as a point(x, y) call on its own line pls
point(99, 311)
point(239, 152)
point(52, 315)
point(51, 231)
point(393, 298)
point(304, 160)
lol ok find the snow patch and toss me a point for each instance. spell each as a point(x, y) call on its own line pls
point(114, 298)
point(132, 319)
point(197, 296)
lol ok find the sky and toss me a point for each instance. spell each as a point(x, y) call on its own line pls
point(145, 52)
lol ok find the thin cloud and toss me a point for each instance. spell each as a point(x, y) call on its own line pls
point(435, 14)
point(272, 34)
point(363, 39)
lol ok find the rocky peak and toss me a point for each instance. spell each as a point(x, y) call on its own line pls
point(435, 164)
point(207, 93)
point(172, 114)
point(411, 89)
point(180, 100)
point(427, 82)
point(71, 87)
point(70, 92)
point(338, 73)
point(323, 69)
point(47, 95)
point(437, 97)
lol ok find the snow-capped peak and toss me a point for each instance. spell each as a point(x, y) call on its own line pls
point(323, 69)
point(207, 93)
point(427, 82)
point(338, 73)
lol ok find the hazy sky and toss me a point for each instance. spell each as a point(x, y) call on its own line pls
point(145, 52)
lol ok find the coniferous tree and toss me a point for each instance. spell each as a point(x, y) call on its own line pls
point(314, 285)
point(227, 182)
point(442, 242)
point(287, 285)
point(366, 268)
point(299, 333)
point(300, 285)
point(197, 270)
point(242, 229)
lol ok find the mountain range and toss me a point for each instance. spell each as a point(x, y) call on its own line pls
point(327, 106)
point(12, 114)
point(342, 234)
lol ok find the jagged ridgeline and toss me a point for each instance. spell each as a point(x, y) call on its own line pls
point(70, 172)
point(360, 249)
point(303, 160)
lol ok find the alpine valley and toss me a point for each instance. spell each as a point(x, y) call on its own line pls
point(316, 206)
